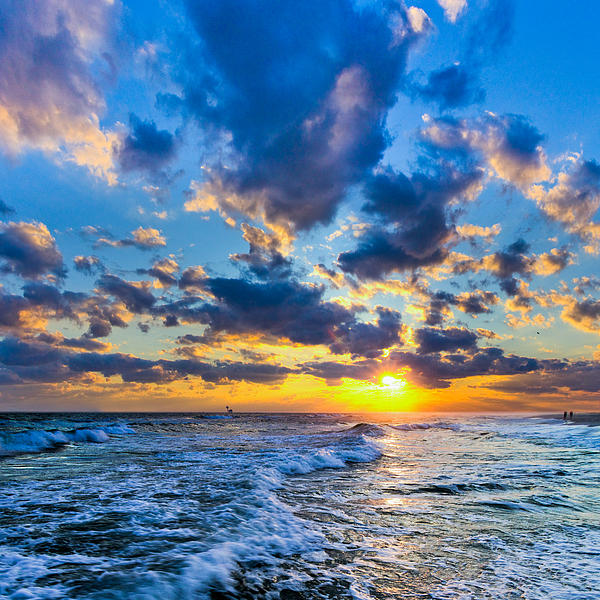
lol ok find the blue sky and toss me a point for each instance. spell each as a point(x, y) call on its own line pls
point(282, 203)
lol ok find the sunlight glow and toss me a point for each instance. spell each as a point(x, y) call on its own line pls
point(396, 383)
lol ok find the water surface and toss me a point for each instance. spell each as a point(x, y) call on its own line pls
point(181, 506)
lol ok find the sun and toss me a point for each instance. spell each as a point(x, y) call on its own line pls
point(391, 382)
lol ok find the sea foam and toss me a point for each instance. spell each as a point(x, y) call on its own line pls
point(40, 440)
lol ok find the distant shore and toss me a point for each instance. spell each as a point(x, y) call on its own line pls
point(578, 418)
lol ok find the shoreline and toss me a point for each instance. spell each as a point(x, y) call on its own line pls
point(592, 419)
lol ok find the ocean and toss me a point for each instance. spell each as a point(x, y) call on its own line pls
point(298, 506)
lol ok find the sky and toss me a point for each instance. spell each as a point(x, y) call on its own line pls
point(324, 206)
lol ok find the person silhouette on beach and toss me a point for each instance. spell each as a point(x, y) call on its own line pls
point(565, 416)
point(571, 416)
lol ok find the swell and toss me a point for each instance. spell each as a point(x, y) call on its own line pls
point(35, 441)
point(375, 430)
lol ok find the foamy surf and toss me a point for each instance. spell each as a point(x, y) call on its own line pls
point(35, 440)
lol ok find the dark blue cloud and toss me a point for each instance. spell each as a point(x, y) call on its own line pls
point(459, 84)
point(146, 148)
point(444, 340)
point(15, 352)
point(284, 309)
point(11, 308)
point(369, 339)
point(29, 250)
point(451, 87)
point(509, 143)
point(48, 296)
point(473, 303)
point(47, 301)
point(5, 209)
point(88, 264)
point(301, 91)
point(136, 298)
point(264, 258)
point(381, 253)
point(436, 371)
point(413, 223)
point(509, 262)
point(27, 361)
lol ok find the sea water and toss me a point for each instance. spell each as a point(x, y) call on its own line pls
point(190, 506)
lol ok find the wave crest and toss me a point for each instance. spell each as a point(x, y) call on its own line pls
point(40, 440)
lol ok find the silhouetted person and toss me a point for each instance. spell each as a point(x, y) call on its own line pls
point(565, 416)
point(571, 416)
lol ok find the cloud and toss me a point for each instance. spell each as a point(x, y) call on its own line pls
point(580, 376)
point(49, 99)
point(514, 260)
point(335, 278)
point(573, 201)
point(82, 343)
point(5, 209)
point(13, 312)
point(369, 339)
point(554, 261)
point(469, 231)
point(585, 284)
point(415, 225)
point(474, 303)
point(444, 340)
point(144, 238)
point(419, 20)
point(22, 315)
point(333, 372)
point(264, 258)
point(164, 270)
point(193, 278)
point(14, 352)
point(382, 253)
point(434, 370)
point(29, 250)
point(297, 93)
point(459, 84)
point(38, 361)
point(509, 144)
point(88, 264)
point(284, 309)
point(453, 8)
point(451, 87)
point(50, 297)
point(135, 295)
point(584, 314)
point(146, 148)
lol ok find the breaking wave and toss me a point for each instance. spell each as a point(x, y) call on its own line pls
point(40, 440)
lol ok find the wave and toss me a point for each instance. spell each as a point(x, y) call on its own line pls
point(217, 416)
point(328, 458)
point(506, 505)
point(417, 426)
point(40, 440)
point(369, 429)
point(455, 488)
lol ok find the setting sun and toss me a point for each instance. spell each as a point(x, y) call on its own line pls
point(389, 381)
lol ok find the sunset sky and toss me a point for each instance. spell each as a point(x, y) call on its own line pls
point(316, 205)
